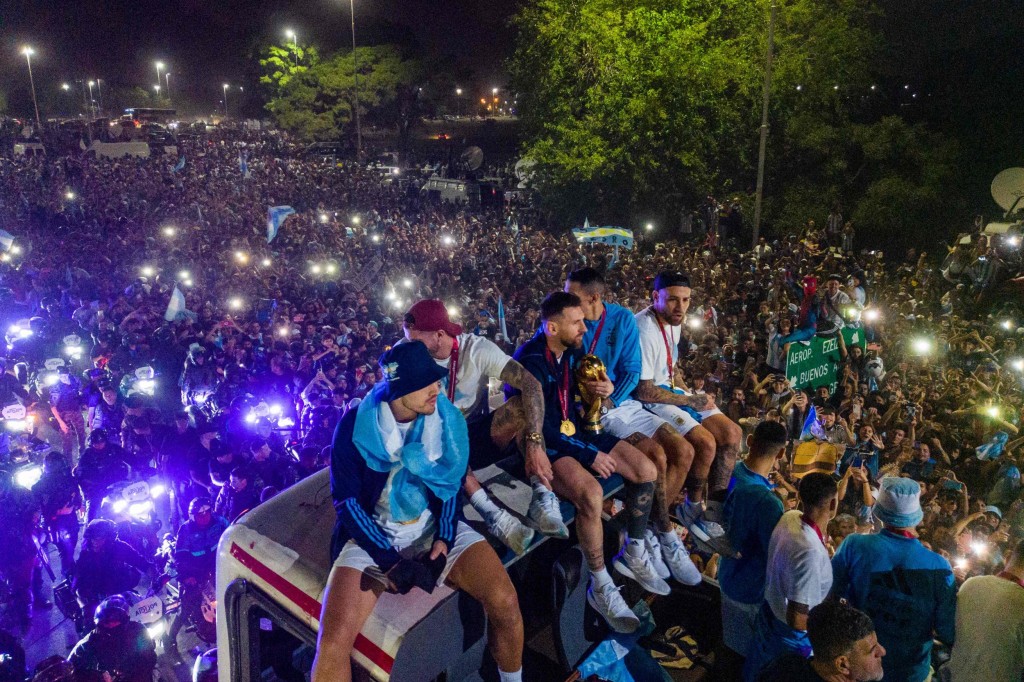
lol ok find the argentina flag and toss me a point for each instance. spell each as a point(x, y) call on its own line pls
point(276, 216)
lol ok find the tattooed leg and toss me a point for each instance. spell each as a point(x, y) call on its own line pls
point(639, 499)
point(654, 452)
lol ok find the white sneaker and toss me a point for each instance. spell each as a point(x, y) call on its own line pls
point(680, 563)
point(654, 551)
point(511, 532)
point(639, 568)
point(609, 603)
point(692, 516)
point(547, 514)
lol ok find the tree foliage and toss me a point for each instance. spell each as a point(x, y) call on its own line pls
point(651, 104)
point(317, 103)
point(280, 63)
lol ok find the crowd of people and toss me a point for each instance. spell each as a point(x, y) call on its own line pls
point(913, 492)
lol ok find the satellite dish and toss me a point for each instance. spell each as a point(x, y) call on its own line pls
point(1008, 188)
point(472, 158)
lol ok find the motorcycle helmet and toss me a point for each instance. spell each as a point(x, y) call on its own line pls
point(100, 529)
point(98, 436)
point(54, 669)
point(198, 505)
point(112, 612)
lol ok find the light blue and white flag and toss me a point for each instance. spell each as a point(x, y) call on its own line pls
point(276, 216)
point(176, 306)
point(501, 320)
point(243, 164)
point(811, 427)
point(610, 235)
point(6, 240)
point(180, 165)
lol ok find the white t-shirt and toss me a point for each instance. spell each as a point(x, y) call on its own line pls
point(654, 358)
point(989, 631)
point(798, 566)
point(479, 360)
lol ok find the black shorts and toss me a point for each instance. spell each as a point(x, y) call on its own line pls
point(483, 451)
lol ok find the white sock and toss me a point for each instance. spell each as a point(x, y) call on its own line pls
point(517, 676)
point(667, 537)
point(538, 487)
point(635, 547)
point(483, 504)
point(601, 578)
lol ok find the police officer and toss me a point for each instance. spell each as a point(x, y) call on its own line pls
point(101, 464)
point(106, 565)
point(118, 646)
point(60, 498)
point(195, 553)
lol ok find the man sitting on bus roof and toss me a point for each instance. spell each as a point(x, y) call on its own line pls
point(397, 466)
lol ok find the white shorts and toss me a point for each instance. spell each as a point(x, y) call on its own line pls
point(738, 624)
point(354, 556)
point(630, 417)
point(680, 419)
point(709, 413)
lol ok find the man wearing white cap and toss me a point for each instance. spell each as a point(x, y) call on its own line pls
point(908, 590)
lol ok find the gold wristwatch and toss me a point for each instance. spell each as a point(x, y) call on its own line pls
point(534, 437)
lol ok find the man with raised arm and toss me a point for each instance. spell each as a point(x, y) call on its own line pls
point(612, 336)
point(715, 438)
point(470, 362)
point(397, 465)
point(551, 356)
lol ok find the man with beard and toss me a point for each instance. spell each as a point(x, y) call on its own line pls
point(552, 356)
point(612, 336)
point(397, 466)
point(471, 362)
point(715, 438)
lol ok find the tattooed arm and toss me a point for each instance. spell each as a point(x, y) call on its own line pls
point(647, 392)
point(535, 455)
point(529, 388)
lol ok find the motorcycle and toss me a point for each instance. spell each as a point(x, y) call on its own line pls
point(141, 382)
point(21, 453)
point(132, 506)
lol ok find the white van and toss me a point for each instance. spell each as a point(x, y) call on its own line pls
point(273, 564)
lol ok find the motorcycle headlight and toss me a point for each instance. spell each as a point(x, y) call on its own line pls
point(16, 424)
point(140, 509)
point(119, 506)
point(51, 379)
point(28, 477)
point(286, 422)
point(250, 418)
point(157, 490)
point(275, 409)
point(147, 385)
point(156, 630)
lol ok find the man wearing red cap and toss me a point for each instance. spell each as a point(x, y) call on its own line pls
point(471, 362)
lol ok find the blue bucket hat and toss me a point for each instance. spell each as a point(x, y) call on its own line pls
point(407, 368)
point(899, 502)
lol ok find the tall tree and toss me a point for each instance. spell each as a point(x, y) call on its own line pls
point(656, 102)
point(281, 63)
point(318, 103)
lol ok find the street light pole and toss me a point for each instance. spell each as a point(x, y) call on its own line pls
point(295, 45)
point(355, 75)
point(92, 106)
point(28, 52)
point(225, 100)
point(458, 100)
point(99, 97)
point(167, 77)
point(759, 196)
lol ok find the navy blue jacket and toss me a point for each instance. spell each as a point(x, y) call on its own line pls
point(356, 488)
point(532, 357)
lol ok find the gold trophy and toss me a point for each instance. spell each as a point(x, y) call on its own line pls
point(590, 368)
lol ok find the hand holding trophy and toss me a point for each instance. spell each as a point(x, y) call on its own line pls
point(590, 368)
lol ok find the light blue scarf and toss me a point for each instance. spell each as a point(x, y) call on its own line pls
point(434, 455)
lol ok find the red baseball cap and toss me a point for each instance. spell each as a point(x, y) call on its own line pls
point(431, 315)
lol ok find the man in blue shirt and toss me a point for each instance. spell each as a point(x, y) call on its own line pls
point(612, 335)
point(908, 590)
point(551, 356)
point(751, 513)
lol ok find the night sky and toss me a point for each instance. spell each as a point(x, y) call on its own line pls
point(209, 42)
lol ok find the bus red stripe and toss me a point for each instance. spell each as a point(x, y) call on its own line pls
point(311, 606)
